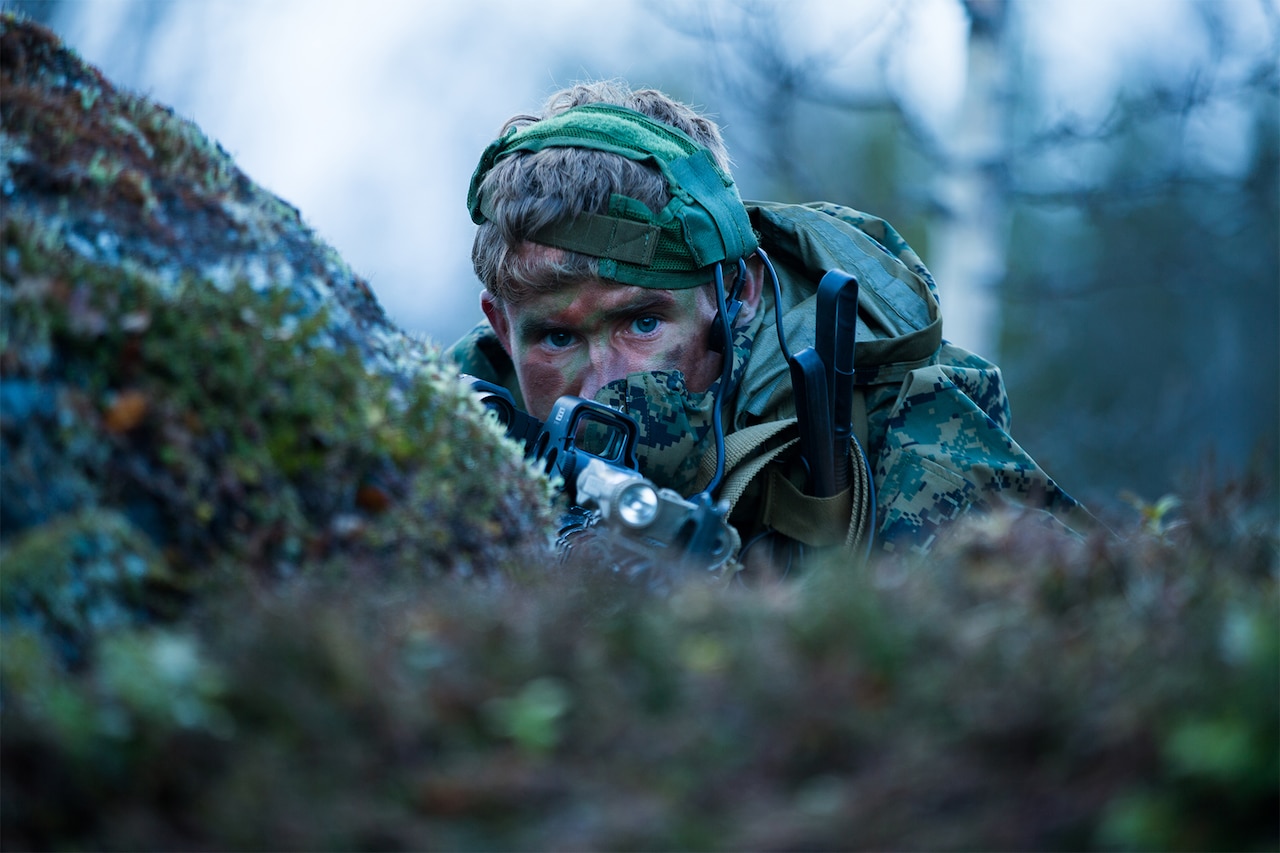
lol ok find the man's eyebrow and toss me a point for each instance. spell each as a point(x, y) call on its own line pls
point(533, 328)
point(649, 300)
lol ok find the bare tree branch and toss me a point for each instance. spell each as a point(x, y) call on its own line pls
point(764, 76)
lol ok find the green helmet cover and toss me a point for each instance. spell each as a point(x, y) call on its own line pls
point(704, 223)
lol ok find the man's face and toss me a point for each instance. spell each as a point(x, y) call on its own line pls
point(585, 335)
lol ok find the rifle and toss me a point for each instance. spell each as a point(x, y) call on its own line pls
point(590, 449)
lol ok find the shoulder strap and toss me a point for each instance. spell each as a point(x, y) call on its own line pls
point(738, 447)
point(842, 519)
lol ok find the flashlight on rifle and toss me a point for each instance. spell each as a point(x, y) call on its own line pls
point(592, 449)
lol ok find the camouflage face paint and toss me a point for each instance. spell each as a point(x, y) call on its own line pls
point(587, 334)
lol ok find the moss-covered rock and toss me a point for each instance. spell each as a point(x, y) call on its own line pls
point(82, 573)
point(184, 362)
point(243, 520)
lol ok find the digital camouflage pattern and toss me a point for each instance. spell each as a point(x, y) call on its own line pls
point(673, 424)
point(937, 417)
point(932, 417)
point(946, 449)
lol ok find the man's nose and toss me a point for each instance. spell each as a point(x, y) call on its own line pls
point(605, 366)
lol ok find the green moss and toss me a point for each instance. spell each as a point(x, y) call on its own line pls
point(257, 419)
point(569, 714)
point(157, 365)
point(80, 576)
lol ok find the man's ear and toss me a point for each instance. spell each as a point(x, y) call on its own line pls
point(497, 317)
point(751, 290)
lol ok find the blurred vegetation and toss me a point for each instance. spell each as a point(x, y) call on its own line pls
point(1017, 692)
point(41, 11)
point(268, 580)
point(1174, 281)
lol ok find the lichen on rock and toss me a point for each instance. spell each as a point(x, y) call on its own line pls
point(181, 355)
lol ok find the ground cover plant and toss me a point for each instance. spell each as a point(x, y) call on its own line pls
point(269, 580)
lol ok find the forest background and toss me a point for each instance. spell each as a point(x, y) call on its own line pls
point(1094, 185)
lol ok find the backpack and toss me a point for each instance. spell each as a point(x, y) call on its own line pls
point(930, 419)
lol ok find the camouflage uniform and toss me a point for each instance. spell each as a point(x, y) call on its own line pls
point(932, 418)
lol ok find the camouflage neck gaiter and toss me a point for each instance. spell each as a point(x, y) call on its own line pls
point(674, 423)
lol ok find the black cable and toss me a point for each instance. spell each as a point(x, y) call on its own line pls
point(775, 540)
point(777, 304)
point(752, 542)
point(726, 372)
point(726, 375)
point(742, 279)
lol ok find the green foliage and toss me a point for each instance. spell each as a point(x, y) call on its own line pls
point(531, 717)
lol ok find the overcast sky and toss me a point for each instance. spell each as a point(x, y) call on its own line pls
point(369, 117)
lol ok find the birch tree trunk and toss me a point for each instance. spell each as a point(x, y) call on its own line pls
point(967, 246)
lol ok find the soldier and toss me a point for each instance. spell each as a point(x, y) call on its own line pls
point(618, 260)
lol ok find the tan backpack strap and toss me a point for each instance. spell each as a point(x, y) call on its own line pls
point(837, 520)
point(737, 447)
point(860, 428)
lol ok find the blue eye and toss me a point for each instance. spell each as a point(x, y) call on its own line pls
point(645, 325)
point(558, 340)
